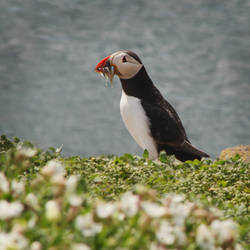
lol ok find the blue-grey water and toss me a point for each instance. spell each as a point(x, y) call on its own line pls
point(196, 51)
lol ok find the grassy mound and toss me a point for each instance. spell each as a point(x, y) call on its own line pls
point(51, 202)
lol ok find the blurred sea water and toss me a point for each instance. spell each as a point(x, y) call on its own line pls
point(197, 53)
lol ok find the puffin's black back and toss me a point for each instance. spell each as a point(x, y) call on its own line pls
point(165, 125)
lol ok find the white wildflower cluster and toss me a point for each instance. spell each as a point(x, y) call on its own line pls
point(52, 210)
point(165, 233)
point(152, 209)
point(53, 169)
point(26, 152)
point(12, 240)
point(224, 231)
point(75, 200)
point(87, 225)
point(204, 237)
point(170, 214)
point(36, 245)
point(17, 187)
point(32, 201)
point(14, 186)
point(55, 172)
point(218, 233)
point(71, 183)
point(178, 209)
point(10, 210)
point(130, 204)
point(105, 210)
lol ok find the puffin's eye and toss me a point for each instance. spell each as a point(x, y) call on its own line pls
point(124, 59)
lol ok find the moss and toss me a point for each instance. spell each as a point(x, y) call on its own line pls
point(242, 150)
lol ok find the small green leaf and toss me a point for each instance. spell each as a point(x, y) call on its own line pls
point(223, 183)
point(127, 157)
point(145, 154)
point(163, 157)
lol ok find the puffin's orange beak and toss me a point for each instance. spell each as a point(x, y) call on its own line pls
point(102, 64)
point(105, 68)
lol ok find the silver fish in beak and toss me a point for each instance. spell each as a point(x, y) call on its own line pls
point(105, 68)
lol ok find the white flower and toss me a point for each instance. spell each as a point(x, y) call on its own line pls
point(180, 235)
point(165, 233)
point(26, 151)
point(153, 209)
point(53, 168)
point(106, 210)
point(120, 216)
point(75, 200)
point(177, 209)
point(32, 222)
point(130, 204)
point(4, 184)
point(173, 198)
point(12, 240)
point(32, 200)
point(225, 231)
point(87, 226)
point(58, 180)
point(17, 187)
point(80, 246)
point(181, 212)
point(10, 210)
point(36, 246)
point(177, 198)
point(71, 183)
point(216, 212)
point(52, 210)
point(204, 237)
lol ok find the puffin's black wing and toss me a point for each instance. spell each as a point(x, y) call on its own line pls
point(165, 128)
point(168, 131)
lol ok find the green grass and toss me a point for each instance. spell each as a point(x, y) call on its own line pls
point(214, 191)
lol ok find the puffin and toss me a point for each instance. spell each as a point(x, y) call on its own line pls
point(150, 119)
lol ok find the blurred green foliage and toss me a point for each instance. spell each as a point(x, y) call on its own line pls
point(56, 221)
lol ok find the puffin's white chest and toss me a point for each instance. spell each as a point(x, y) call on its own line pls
point(137, 123)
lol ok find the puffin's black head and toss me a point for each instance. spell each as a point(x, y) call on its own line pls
point(126, 64)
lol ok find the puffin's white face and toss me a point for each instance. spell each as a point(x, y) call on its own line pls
point(125, 65)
